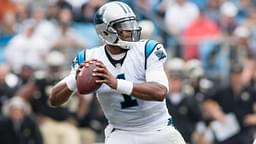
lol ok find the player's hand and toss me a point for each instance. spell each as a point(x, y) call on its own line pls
point(106, 76)
point(79, 69)
point(85, 64)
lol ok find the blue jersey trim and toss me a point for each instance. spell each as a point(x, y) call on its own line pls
point(149, 48)
point(81, 56)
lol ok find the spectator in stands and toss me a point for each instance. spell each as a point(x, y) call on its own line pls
point(44, 28)
point(6, 7)
point(212, 10)
point(8, 24)
point(244, 8)
point(22, 11)
point(197, 84)
point(233, 105)
point(27, 49)
point(88, 10)
point(200, 29)
point(91, 120)
point(68, 42)
point(227, 21)
point(26, 74)
point(58, 125)
point(18, 126)
point(250, 23)
point(241, 51)
point(8, 29)
point(51, 13)
point(8, 84)
point(179, 16)
point(184, 108)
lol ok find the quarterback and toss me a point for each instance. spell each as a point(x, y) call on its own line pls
point(134, 84)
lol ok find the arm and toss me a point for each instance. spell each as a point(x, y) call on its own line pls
point(64, 89)
point(149, 91)
point(60, 93)
point(156, 84)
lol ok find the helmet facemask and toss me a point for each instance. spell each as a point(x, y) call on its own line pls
point(126, 30)
point(128, 27)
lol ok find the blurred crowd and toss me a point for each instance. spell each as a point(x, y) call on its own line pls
point(211, 66)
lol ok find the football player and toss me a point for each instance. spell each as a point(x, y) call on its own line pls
point(134, 84)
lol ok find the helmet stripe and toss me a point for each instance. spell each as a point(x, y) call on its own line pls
point(125, 11)
point(121, 20)
point(129, 9)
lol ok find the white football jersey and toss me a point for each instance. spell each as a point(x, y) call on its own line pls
point(128, 112)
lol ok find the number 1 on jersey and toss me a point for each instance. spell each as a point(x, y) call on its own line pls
point(128, 101)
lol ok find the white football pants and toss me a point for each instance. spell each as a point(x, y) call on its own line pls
point(168, 135)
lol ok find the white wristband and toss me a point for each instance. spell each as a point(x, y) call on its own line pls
point(71, 82)
point(124, 87)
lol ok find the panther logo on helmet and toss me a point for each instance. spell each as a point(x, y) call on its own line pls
point(112, 19)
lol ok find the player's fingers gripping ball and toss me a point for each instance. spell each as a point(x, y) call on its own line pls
point(86, 82)
point(105, 75)
point(79, 69)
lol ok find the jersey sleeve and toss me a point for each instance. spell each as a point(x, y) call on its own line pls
point(155, 57)
point(78, 60)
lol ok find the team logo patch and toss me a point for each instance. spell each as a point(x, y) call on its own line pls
point(159, 53)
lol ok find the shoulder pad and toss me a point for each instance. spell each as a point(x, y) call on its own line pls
point(149, 47)
point(79, 59)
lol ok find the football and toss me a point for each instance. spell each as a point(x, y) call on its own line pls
point(85, 81)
